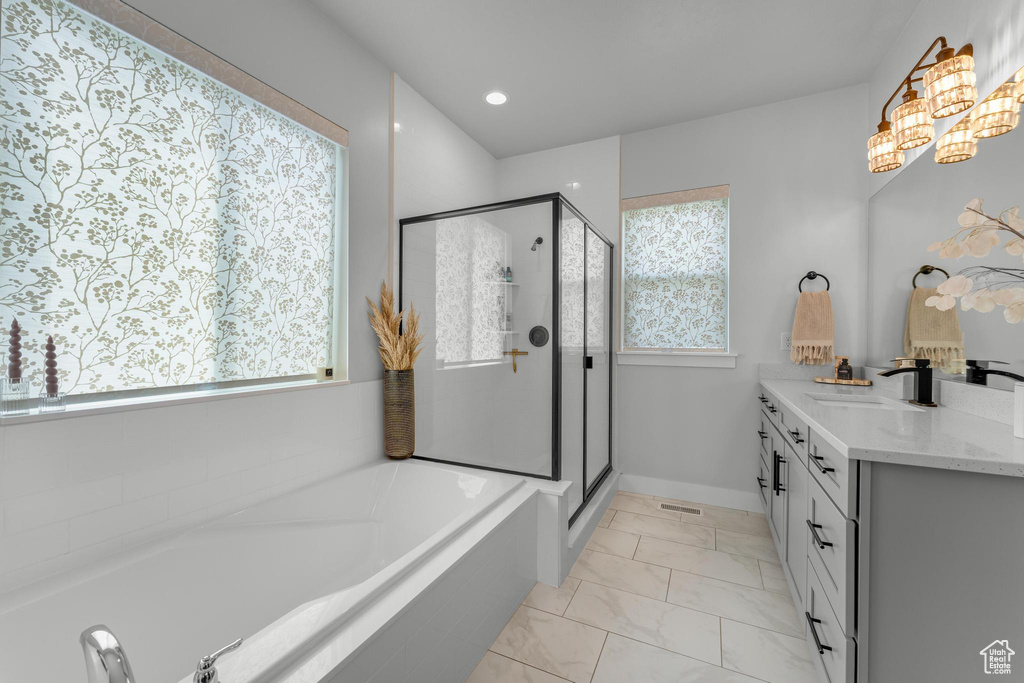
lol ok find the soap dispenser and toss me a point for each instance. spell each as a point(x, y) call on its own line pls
point(844, 371)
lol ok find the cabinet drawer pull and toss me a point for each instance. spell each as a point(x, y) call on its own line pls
point(775, 472)
point(817, 539)
point(816, 459)
point(760, 482)
point(811, 621)
point(771, 408)
point(762, 399)
point(763, 435)
point(795, 433)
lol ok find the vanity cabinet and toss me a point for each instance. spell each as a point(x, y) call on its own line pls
point(809, 493)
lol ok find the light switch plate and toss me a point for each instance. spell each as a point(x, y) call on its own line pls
point(787, 341)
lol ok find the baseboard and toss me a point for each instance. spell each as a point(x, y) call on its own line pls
point(697, 493)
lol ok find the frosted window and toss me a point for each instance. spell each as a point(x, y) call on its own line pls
point(471, 292)
point(163, 227)
point(675, 272)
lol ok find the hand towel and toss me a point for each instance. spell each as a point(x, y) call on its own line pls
point(931, 333)
point(812, 329)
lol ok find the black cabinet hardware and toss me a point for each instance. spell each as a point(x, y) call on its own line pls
point(776, 462)
point(811, 621)
point(817, 539)
point(763, 435)
point(817, 460)
point(760, 482)
point(762, 399)
point(771, 408)
point(795, 433)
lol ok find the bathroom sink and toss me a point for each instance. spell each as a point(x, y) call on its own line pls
point(860, 401)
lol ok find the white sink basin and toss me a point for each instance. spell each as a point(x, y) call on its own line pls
point(861, 401)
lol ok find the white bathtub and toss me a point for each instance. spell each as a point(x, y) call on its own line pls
point(287, 575)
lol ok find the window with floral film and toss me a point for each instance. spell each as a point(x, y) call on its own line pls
point(165, 228)
point(676, 271)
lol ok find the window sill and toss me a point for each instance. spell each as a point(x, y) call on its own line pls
point(677, 359)
point(101, 407)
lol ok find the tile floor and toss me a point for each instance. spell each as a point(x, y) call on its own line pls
point(654, 598)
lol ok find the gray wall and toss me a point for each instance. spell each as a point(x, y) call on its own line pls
point(293, 47)
point(797, 204)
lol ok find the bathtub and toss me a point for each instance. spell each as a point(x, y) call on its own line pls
point(288, 575)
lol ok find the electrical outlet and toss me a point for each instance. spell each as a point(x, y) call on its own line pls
point(787, 340)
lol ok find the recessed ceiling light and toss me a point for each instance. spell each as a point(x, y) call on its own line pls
point(496, 97)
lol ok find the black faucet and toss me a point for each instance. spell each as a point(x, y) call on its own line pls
point(978, 372)
point(922, 381)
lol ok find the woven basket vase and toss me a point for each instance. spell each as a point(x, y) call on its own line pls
point(399, 414)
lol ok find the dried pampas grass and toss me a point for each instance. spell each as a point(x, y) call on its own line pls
point(398, 348)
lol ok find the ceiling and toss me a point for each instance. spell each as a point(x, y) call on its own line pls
point(578, 70)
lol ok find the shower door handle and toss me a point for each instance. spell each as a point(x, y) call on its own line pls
point(588, 362)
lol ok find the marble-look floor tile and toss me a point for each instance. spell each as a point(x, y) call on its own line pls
point(765, 654)
point(643, 506)
point(495, 668)
point(746, 544)
point(551, 599)
point(748, 605)
point(773, 577)
point(544, 641)
point(626, 661)
point(619, 543)
point(675, 628)
point(618, 572)
point(607, 518)
point(688, 558)
point(680, 532)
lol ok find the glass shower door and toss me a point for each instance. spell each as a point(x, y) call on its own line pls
point(571, 346)
point(598, 359)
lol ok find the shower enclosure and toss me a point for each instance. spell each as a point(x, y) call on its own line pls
point(515, 302)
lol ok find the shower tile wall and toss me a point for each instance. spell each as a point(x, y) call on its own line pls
point(78, 488)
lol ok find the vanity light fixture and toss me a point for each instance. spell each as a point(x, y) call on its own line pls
point(956, 144)
point(882, 153)
point(997, 114)
point(911, 122)
point(949, 84)
point(495, 97)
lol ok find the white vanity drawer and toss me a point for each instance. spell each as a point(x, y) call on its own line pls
point(836, 652)
point(795, 431)
point(835, 472)
point(770, 405)
point(831, 547)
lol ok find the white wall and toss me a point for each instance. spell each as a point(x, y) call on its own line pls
point(796, 204)
point(84, 487)
point(993, 27)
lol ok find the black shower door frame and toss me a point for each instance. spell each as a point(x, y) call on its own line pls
point(557, 201)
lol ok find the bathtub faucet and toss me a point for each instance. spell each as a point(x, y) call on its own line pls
point(205, 670)
point(105, 660)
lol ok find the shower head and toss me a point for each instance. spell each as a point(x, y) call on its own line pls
point(539, 240)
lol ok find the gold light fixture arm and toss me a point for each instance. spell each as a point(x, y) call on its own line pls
point(515, 353)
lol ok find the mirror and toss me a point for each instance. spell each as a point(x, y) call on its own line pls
point(920, 207)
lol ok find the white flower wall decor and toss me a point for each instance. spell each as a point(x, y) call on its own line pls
point(982, 288)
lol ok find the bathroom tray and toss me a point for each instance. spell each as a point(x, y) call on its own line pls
point(850, 382)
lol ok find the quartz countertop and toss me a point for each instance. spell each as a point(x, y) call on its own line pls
point(925, 437)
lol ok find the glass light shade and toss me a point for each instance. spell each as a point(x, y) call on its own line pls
point(1018, 87)
point(912, 123)
point(882, 153)
point(956, 144)
point(949, 86)
point(997, 114)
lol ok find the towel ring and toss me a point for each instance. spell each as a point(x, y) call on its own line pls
point(927, 270)
point(811, 275)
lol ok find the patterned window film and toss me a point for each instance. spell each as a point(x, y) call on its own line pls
point(676, 271)
point(165, 228)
